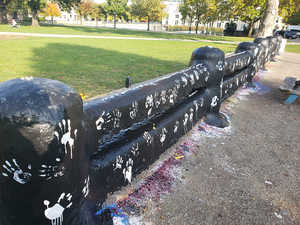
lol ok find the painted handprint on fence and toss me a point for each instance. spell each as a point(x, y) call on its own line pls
point(66, 138)
point(135, 149)
point(17, 173)
point(48, 172)
point(148, 138)
point(86, 189)
point(103, 119)
point(55, 213)
point(119, 162)
point(163, 135)
point(128, 170)
point(134, 110)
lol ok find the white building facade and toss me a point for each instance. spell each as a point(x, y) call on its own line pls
point(174, 17)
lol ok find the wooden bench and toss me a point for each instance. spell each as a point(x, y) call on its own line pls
point(292, 86)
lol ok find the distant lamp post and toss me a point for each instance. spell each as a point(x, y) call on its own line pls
point(115, 20)
point(208, 18)
point(51, 16)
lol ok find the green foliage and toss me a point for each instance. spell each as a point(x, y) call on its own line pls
point(118, 8)
point(294, 19)
point(198, 10)
point(151, 10)
point(288, 8)
point(230, 28)
point(98, 11)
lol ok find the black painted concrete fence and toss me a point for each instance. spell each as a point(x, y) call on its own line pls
point(60, 156)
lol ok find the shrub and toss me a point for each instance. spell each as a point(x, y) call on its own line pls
point(181, 28)
point(213, 30)
point(230, 28)
point(29, 19)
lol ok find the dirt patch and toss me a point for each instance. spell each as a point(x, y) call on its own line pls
point(10, 37)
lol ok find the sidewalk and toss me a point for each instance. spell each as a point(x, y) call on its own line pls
point(245, 174)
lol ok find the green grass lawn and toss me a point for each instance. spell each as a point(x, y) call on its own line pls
point(96, 31)
point(96, 66)
point(292, 48)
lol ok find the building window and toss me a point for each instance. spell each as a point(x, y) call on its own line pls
point(176, 22)
point(177, 16)
point(218, 24)
point(70, 16)
point(65, 17)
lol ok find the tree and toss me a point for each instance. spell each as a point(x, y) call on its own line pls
point(250, 11)
point(288, 8)
point(84, 9)
point(117, 9)
point(199, 11)
point(52, 10)
point(152, 10)
point(268, 22)
point(37, 5)
point(98, 11)
point(13, 7)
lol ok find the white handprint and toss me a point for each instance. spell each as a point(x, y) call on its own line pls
point(48, 172)
point(163, 135)
point(128, 171)
point(148, 138)
point(18, 174)
point(55, 213)
point(66, 139)
point(86, 188)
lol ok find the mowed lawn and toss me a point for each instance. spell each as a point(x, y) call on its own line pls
point(94, 66)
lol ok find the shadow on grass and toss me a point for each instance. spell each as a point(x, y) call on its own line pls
point(93, 71)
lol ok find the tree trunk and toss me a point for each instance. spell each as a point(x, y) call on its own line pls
point(80, 19)
point(250, 29)
point(196, 27)
point(96, 21)
point(3, 15)
point(35, 22)
point(115, 22)
point(148, 23)
point(268, 22)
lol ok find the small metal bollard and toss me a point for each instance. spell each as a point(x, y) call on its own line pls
point(128, 82)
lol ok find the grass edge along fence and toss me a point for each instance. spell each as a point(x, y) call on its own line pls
point(61, 156)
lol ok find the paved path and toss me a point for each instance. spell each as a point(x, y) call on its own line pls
point(291, 41)
point(245, 174)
